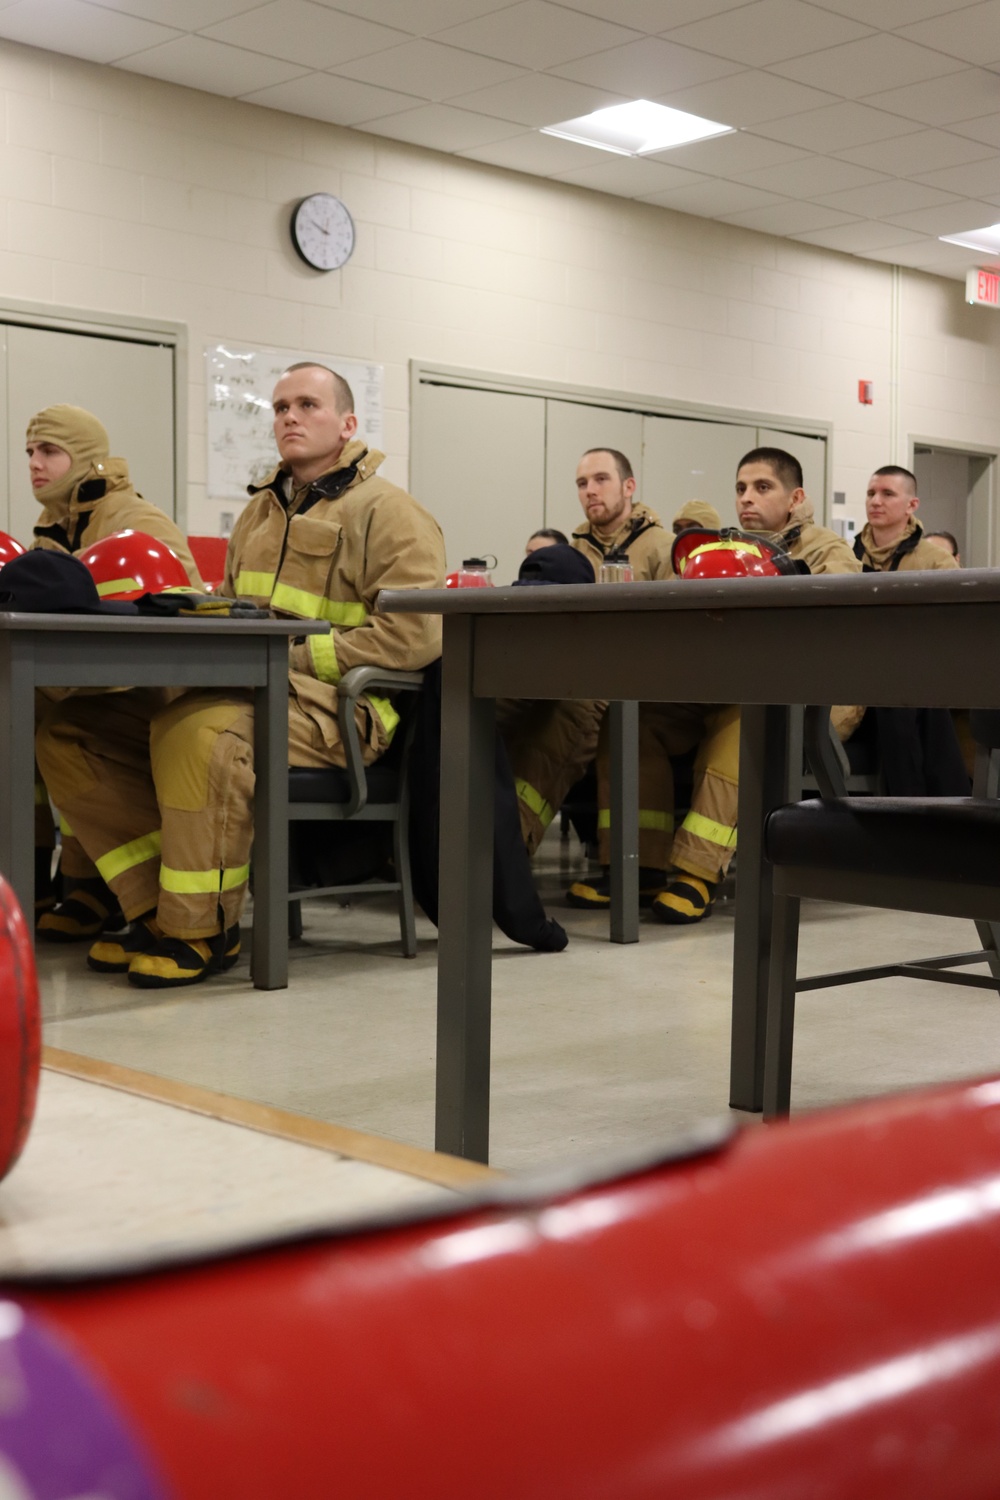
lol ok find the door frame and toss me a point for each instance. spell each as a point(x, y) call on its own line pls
point(123, 328)
point(974, 450)
point(430, 372)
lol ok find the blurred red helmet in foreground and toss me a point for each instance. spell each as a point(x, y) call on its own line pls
point(9, 548)
point(132, 563)
point(699, 553)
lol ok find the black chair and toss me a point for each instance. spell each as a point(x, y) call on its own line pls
point(378, 793)
point(939, 855)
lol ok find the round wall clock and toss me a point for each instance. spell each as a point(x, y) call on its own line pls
point(323, 231)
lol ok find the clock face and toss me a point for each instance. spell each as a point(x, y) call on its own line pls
point(323, 232)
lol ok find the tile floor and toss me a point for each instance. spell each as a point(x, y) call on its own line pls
point(593, 1048)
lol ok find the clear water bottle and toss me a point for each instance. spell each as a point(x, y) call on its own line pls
point(475, 573)
point(615, 568)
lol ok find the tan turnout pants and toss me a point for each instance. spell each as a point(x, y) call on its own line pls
point(160, 795)
point(550, 746)
point(705, 842)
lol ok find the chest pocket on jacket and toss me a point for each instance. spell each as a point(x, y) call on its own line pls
point(304, 585)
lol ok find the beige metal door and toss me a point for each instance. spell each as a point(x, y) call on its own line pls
point(811, 454)
point(684, 460)
point(128, 384)
point(477, 462)
point(571, 428)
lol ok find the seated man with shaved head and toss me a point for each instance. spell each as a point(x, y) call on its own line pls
point(892, 538)
point(161, 795)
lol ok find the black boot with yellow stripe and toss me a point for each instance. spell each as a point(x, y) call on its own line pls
point(688, 898)
point(154, 961)
point(595, 894)
point(87, 909)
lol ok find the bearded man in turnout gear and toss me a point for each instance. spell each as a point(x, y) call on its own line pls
point(86, 495)
point(161, 797)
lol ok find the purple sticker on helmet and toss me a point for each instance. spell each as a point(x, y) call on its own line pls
point(61, 1437)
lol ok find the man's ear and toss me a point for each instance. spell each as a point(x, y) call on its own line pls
point(350, 425)
point(798, 495)
point(628, 488)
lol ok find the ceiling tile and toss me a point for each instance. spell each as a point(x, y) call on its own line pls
point(536, 34)
point(340, 101)
point(921, 151)
point(886, 197)
point(647, 68)
point(926, 255)
point(860, 238)
point(712, 199)
point(420, 19)
point(649, 15)
point(834, 128)
point(811, 176)
point(537, 99)
point(868, 66)
point(979, 179)
point(198, 63)
point(441, 127)
point(185, 14)
point(951, 218)
point(985, 129)
point(892, 13)
point(768, 31)
point(972, 33)
point(629, 177)
point(788, 218)
point(80, 30)
point(750, 98)
point(732, 155)
point(534, 152)
point(430, 70)
point(303, 33)
point(960, 96)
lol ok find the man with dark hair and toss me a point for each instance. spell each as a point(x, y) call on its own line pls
point(770, 498)
point(946, 540)
point(547, 537)
point(616, 521)
point(893, 539)
point(162, 798)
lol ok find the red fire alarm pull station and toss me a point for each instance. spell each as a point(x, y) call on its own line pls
point(866, 392)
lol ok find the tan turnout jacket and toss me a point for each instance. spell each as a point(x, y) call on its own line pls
point(101, 505)
point(914, 553)
point(323, 553)
point(648, 550)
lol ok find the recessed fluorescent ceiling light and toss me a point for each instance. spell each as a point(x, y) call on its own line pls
point(987, 239)
point(636, 129)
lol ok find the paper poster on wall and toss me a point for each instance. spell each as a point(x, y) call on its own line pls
point(239, 381)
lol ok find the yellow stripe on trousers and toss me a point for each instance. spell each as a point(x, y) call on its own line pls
point(534, 800)
point(705, 828)
point(127, 856)
point(648, 818)
point(202, 882)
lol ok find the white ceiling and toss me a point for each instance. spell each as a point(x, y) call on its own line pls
point(870, 126)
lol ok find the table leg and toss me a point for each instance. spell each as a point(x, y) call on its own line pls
point(763, 786)
point(17, 769)
point(623, 725)
point(465, 902)
point(269, 959)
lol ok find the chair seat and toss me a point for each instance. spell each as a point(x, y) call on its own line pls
point(953, 839)
point(331, 784)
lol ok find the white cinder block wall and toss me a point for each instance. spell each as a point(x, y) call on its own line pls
point(124, 194)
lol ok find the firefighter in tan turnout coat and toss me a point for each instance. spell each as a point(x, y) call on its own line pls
point(161, 796)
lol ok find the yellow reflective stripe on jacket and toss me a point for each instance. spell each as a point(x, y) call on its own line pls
point(386, 712)
point(535, 801)
point(202, 882)
point(317, 606)
point(661, 822)
point(65, 829)
point(118, 586)
point(705, 828)
point(41, 795)
point(323, 655)
point(257, 584)
point(127, 856)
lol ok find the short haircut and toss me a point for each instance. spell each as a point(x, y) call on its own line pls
point(898, 469)
point(952, 541)
point(341, 390)
point(621, 462)
point(784, 466)
point(551, 535)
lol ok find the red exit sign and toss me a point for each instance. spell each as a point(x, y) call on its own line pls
point(983, 287)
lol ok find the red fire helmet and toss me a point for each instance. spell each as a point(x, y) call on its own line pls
point(9, 548)
point(131, 563)
point(699, 553)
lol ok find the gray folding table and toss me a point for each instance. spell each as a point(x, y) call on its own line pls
point(102, 651)
point(898, 640)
